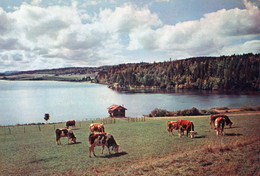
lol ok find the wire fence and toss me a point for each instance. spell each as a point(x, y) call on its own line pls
point(32, 128)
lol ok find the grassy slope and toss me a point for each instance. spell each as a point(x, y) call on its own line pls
point(146, 148)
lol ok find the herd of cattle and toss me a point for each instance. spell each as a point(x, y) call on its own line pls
point(98, 137)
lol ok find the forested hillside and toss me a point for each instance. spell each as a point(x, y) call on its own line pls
point(216, 73)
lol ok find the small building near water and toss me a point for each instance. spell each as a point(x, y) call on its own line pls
point(116, 111)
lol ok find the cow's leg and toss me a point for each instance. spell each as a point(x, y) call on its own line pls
point(108, 148)
point(102, 151)
point(93, 151)
point(89, 150)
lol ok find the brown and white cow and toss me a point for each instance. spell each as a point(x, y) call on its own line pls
point(171, 125)
point(102, 139)
point(181, 126)
point(65, 133)
point(96, 127)
point(215, 116)
point(219, 125)
point(185, 125)
point(71, 123)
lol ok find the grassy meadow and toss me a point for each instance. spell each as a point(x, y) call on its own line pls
point(145, 149)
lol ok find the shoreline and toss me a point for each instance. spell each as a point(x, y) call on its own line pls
point(231, 111)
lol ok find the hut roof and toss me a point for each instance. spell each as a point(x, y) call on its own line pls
point(114, 107)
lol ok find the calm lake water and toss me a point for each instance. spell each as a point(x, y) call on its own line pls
point(27, 101)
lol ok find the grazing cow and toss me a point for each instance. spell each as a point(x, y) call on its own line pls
point(215, 116)
point(96, 127)
point(219, 125)
point(183, 125)
point(171, 125)
point(102, 139)
point(65, 133)
point(70, 123)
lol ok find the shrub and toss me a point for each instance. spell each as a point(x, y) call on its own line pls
point(208, 111)
point(187, 112)
point(222, 108)
point(247, 108)
point(160, 113)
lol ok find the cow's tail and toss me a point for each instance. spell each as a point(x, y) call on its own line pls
point(58, 133)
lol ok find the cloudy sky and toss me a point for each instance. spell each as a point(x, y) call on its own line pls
point(44, 34)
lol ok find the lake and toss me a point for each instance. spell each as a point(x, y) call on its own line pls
point(27, 101)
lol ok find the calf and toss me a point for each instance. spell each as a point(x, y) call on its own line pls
point(71, 123)
point(219, 125)
point(96, 127)
point(102, 139)
point(214, 117)
point(65, 133)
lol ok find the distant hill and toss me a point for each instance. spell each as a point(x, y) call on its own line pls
point(206, 73)
point(236, 72)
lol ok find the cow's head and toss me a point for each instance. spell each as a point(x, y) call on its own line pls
point(116, 148)
point(192, 133)
point(230, 124)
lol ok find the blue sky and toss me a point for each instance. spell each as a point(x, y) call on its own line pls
point(44, 34)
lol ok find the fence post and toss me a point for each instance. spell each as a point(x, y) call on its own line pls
point(39, 127)
point(54, 126)
point(114, 120)
point(9, 130)
point(24, 129)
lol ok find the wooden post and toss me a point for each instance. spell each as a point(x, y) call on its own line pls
point(39, 126)
point(23, 129)
point(114, 120)
point(54, 126)
point(9, 130)
point(128, 119)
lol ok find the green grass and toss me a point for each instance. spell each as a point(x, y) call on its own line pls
point(35, 152)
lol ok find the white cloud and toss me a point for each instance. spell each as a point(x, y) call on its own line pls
point(204, 37)
point(56, 36)
point(36, 2)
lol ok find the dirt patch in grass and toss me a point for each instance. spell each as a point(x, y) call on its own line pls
point(241, 158)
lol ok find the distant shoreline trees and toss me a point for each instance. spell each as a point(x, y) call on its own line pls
point(205, 73)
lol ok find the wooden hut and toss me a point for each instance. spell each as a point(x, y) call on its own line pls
point(116, 111)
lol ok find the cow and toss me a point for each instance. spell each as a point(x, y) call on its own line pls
point(171, 126)
point(96, 127)
point(219, 125)
point(64, 132)
point(71, 123)
point(183, 125)
point(213, 118)
point(102, 139)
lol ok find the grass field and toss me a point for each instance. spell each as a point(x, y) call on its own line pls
point(145, 149)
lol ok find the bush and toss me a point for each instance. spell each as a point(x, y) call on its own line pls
point(160, 113)
point(249, 108)
point(222, 108)
point(208, 111)
point(188, 112)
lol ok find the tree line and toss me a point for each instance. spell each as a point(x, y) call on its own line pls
point(206, 73)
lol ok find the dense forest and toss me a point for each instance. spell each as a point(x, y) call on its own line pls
point(207, 73)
